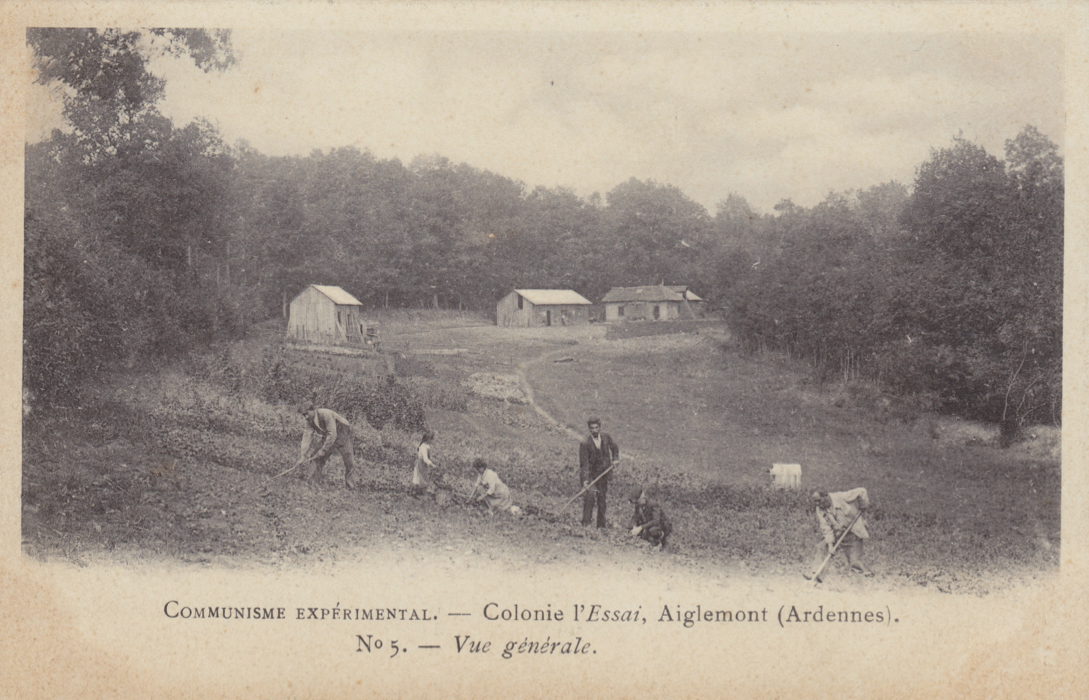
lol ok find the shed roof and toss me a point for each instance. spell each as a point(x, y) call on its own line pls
point(681, 289)
point(337, 295)
point(652, 294)
point(552, 297)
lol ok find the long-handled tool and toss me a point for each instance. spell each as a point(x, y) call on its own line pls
point(296, 466)
point(588, 486)
point(472, 491)
point(832, 552)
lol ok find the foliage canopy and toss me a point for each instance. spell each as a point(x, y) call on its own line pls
point(143, 238)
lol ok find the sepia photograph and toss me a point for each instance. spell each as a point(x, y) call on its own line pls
point(480, 350)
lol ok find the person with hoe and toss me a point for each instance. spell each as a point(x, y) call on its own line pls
point(598, 454)
point(334, 434)
point(492, 490)
point(840, 517)
point(649, 521)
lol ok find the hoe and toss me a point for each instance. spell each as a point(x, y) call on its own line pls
point(832, 552)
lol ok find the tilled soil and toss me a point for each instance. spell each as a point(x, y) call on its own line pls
point(113, 503)
point(216, 515)
point(204, 493)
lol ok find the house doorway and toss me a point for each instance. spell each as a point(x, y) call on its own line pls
point(655, 312)
point(548, 317)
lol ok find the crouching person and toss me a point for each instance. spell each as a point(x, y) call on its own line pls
point(492, 491)
point(649, 521)
point(333, 433)
point(839, 514)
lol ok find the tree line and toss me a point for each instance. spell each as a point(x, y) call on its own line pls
point(950, 292)
point(143, 238)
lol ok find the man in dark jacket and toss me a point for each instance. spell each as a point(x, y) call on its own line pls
point(648, 521)
point(334, 434)
point(598, 453)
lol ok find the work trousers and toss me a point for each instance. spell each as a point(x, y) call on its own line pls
point(852, 547)
point(595, 496)
point(343, 447)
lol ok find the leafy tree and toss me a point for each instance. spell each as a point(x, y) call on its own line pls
point(142, 237)
point(109, 87)
point(880, 208)
point(114, 208)
point(951, 294)
point(556, 243)
point(816, 294)
point(658, 234)
point(985, 245)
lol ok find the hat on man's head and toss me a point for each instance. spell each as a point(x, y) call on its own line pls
point(634, 493)
point(305, 406)
point(818, 495)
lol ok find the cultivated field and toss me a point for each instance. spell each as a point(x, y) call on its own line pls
point(179, 462)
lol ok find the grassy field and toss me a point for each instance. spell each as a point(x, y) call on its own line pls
point(707, 424)
point(178, 462)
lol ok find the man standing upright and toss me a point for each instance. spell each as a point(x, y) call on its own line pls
point(333, 433)
point(598, 454)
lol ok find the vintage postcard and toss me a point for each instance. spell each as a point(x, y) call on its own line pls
point(552, 349)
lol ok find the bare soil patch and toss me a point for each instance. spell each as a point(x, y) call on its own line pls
point(164, 465)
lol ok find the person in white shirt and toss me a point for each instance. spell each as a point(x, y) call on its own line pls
point(422, 477)
point(836, 512)
point(492, 490)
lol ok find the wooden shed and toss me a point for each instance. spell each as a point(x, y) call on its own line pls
point(324, 314)
point(654, 303)
point(531, 308)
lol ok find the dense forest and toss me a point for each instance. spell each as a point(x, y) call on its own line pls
point(144, 238)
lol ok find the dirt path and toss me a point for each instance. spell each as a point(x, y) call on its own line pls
point(522, 368)
point(527, 389)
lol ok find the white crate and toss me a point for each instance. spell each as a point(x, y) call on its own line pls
point(786, 476)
